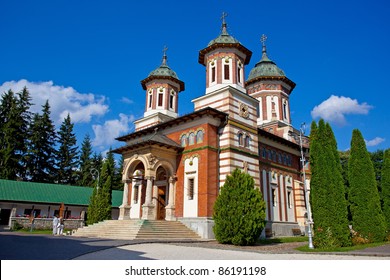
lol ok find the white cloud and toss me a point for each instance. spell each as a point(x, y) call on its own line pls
point(63, 100)
point(335, 108)
point(127, 100)
point(105, 134)
point(374, 142)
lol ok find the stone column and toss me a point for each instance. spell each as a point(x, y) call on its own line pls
point(170, 209)
point(148, 208)
point(124, 209)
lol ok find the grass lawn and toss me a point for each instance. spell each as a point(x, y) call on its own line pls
point(37, 231)
point(305, 248)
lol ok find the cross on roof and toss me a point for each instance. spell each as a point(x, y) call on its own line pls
point(263, 39)
point(165, 50)
point(224, 15)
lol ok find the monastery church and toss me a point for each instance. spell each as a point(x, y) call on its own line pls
point(174, 166)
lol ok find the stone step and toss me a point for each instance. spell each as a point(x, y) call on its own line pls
point(138, 229)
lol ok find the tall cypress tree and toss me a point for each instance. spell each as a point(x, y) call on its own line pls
point(327, 194)
point(41, 164)
point(85, 176)
point(67, 154)
point(385, 190)
point(367, 215)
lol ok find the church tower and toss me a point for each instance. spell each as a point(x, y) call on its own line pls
point(224, 59)
point(270, 86)
point(162, 88)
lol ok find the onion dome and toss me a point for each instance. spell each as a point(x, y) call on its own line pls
point(266, 68)
point(224, 40)
point(163, 72)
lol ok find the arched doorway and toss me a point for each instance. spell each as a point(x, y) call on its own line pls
point(138, 190)
point(161, 198)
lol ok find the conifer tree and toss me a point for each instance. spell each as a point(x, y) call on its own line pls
point(67, 154)
point(40, 161)
point(239, 211)
point(327, 194)
point(385, 194)
point(85, 176)
point(367, 216)
point(14, 122)
point(99, 208)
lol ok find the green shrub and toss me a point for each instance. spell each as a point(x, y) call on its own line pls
point(239, 211)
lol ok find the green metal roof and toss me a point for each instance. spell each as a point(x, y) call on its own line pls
point(265, 68)
point(50, 193)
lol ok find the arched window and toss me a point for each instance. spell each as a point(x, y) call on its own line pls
point(171, 100)
point(183, 140)
point(199, 136)
point(247, 141)
point(240, 139)
point(150, 98)
point(191, 139)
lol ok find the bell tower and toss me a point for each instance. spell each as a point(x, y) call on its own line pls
point(162, 88)
point(224, 59)
point(270, 86)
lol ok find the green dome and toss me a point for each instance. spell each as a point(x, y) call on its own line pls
point(165, 71)
point(224, 38)
point(265, 68)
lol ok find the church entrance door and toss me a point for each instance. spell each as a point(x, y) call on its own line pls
point(161, 203)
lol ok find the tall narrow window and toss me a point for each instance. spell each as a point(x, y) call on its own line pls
point(239, 73)
point(190, 190)
point(199, 136)
point(212, 73)
point(226, 72)
point(160, 99)
point(289, 199)
point(150, 96)
point(171, 100)
point(191, 138)
point(240, 139)
point(285, 110)
point(273, 197)
point(247, 141)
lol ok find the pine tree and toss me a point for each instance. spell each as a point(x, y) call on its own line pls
point(14, 121)
point(40, 160)
point(327, 193)
point(85, 176)
point(117, 183)
point(385, 190)
point(239, 211)
point(67, 154)
point(367, 216)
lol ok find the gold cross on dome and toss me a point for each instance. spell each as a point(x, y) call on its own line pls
point(263, 39)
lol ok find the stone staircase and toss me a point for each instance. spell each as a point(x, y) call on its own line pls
point(138, 229)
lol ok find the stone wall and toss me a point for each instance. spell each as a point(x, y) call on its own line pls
point(44, 223)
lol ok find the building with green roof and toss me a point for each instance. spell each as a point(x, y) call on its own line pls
point(22, 199)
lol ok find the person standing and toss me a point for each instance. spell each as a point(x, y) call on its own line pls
point(60, 226)
point(55, 224)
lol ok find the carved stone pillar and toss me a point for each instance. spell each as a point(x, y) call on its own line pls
point(124, 209)
point(170, 209)
point(148, 208)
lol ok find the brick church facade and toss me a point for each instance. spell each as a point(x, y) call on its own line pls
point(175, 166)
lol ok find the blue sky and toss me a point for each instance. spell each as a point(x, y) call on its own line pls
point(88, 58)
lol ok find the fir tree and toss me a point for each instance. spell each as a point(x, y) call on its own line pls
point(67, 154)
point(85, 176)
point(239, 211)
point(385, 194)
point(367, 215)
point(40, 161)
point(14, 122)
point(327, 193)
